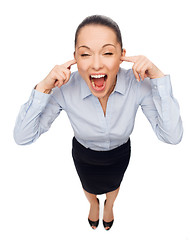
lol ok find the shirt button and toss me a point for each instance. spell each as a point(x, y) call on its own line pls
point(38, 101)
point(155, 87)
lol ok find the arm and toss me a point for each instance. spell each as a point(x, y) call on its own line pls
point(161, 109)
point(156, 99)
point(37, 115)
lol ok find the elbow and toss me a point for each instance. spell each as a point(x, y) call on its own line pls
point(18, 140)
point(172, 135)
point(176, 141)
point(21, 140)
point(173, 139)
point(23, 136)
point(178, 137)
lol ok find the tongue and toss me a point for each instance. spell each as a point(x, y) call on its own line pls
point(99, 81)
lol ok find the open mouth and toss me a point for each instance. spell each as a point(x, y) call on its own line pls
point(98, 81)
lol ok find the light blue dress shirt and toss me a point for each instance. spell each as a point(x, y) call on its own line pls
point(91, 128)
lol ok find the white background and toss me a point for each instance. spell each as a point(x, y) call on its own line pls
point(40, 193)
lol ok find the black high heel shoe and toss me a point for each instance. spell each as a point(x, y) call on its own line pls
point(107, 224)
point(94, 223)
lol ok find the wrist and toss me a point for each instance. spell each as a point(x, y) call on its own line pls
point(158, 76)
point(42, 88)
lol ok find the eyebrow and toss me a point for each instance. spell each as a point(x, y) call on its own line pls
point(108, 44)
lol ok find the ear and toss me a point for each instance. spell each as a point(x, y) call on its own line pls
point(74, 55)
point(123, 53)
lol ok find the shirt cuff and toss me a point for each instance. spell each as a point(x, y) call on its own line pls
point(161, 86)
point(39, 99)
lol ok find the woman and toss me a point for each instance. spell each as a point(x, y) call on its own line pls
point(101, 100)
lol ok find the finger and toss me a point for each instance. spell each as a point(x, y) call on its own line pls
point(60, 83)
point(69, 63)
point(136, 71)
point(139, 64)
point(56, 83)
point(143, 71)
point(136, 75)
point(59, 79)
point(145, 75)
point(129, 59)
point(61, 76)
point(67, 74)
point(140, 68)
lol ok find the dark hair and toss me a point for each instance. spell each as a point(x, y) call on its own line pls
point(100, 20)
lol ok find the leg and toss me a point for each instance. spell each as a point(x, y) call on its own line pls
point(108, 208)
point(94, 206)
point(111, 197)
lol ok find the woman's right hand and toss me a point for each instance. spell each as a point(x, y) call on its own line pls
point(57, 77)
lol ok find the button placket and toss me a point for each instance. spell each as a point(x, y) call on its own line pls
point(108, 117)
point(100, 113)
point(103, 122)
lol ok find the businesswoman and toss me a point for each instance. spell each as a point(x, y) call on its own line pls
point(101, 100)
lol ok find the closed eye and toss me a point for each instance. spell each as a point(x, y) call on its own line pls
point(108, 53)
point(85, 55)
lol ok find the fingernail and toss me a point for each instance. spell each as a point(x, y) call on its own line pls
point(137, 79)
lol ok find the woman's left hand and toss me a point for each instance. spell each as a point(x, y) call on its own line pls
point(143, 67)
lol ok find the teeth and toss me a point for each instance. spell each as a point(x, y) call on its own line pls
point(97, 76)
point(93, 83)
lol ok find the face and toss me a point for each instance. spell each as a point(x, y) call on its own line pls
point(98, 58)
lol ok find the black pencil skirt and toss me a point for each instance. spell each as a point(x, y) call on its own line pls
point(100, 171)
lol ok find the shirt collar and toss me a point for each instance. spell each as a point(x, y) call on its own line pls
point(120, 85)
point(85, 91)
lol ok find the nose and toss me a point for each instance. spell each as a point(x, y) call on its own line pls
point(97, 62)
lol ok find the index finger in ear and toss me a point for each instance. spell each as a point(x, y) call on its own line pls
point(129, 59)
point(70, 63)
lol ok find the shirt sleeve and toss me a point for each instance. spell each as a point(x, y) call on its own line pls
point(35, 117)
point(161, 109)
